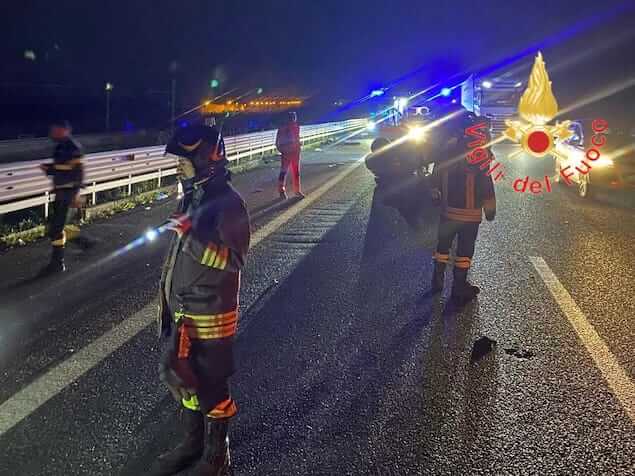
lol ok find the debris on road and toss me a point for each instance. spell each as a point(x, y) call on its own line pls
point(481, 348)
point(519, 353)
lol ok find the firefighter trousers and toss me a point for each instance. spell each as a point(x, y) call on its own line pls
point(290, 161)
point(466, 234)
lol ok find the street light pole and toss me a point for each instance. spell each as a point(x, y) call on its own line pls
point(173, 103)
point(109, 88)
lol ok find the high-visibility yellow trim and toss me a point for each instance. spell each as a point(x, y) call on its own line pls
point(68, 166)
point(222, 258)
point(209, 255)
point(215, 256)
point(212, 333)
point(212, 326)
point(191, 404)
point(209, 318)
point(60, 241)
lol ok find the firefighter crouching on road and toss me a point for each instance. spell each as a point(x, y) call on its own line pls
point(465, 191)
point(67, 173)
point(198, 310)
point(289, 145)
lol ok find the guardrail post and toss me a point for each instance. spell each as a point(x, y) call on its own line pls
point(159, 181)
point(94, 194)
point(129, 184)
point(46, 204)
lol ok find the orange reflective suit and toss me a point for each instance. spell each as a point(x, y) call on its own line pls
point(288, 144)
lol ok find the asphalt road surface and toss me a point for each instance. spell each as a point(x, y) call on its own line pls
point(347, 365)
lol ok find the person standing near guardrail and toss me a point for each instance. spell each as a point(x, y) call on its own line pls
point(198, 306)
point(289, 145)
point(67, 173)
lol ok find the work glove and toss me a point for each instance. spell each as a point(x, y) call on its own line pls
point(179, 223)
point(175, 384)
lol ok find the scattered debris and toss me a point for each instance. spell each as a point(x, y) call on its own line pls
point(21, 242)
point(257, 190)
point(481, 348)
point(519, 353)
point(148, 208)
point(318, 149)
point(161, 196)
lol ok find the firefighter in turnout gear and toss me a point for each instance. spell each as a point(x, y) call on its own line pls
point(289, 145)
point(67, 173)
point(465, 192)
point(198, 308)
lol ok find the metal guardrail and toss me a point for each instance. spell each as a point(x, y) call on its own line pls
point(23, 185)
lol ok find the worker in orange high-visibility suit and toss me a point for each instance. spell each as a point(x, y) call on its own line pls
point(288, 144)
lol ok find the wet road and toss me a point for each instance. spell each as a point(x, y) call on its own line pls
point(346, 364)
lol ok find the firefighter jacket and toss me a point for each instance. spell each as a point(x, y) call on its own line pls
point(288, 139)
point(67, 170)
point(201, 276)
point(466, 191)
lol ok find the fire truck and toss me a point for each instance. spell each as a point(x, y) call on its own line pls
point(496, 99)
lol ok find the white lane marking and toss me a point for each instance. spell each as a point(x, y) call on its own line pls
point(284, 217)
point(30, 398)
point(620, 383)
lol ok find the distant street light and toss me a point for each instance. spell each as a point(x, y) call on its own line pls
point(446, 92)
point(214, 83)
point(109, 87)
point(487, 84)
point(259, 91)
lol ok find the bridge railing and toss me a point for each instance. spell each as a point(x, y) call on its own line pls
point(23, 185)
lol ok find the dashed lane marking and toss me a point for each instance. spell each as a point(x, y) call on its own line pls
point(618, 380)
point(33, 396)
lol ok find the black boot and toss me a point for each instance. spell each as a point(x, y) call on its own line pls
point(185, 453)
point(438, 277)
point(462, 291)
point(56, 265)
point(215, 461)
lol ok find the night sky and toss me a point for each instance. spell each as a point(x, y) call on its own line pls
point(320, 49)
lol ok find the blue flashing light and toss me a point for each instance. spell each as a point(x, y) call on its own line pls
point(446, 92)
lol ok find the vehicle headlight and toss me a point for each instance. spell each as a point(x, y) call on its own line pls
point(416, 133)
point(603, 162)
